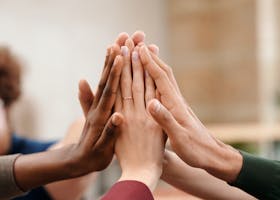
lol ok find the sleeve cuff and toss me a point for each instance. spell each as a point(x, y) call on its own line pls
point(8, 185)
point(259, 177)
point(128, 190)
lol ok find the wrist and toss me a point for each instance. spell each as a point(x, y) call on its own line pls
point(147, 175)
point(226, 163)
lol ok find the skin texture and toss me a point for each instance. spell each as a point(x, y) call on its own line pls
point(76, 187)
point(132, 169)
point(197, 181)
point(95, 149)
point(189, 138)
point(140, 145)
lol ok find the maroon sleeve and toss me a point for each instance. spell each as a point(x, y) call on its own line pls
point(128, 190)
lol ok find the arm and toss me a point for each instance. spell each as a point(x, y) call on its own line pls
point(95, 149)
point(189, 138)
point(123, 190)
point(140, 144)
point(197, 181)
point(259, 177)
point(8, 186)
point(74, 188)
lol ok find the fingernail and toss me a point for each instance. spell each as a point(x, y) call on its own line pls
point(156, 50)
point(156, 106)
point(124, 50)
point(135, 56)
point(116, 120)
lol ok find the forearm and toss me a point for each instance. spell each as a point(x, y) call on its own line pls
point(198, 182)
point(148, 176)
point(8, 186)
point(222, 161)
point(41, 168)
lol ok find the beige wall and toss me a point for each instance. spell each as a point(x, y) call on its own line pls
point(213, 45)
point(63, 41)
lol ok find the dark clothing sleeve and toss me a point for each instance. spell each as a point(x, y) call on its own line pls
point(27, 146)
point(259, 177)
point(127, 190)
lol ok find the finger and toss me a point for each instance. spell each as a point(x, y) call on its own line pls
point(164, 118)
point(168, 70)
point(114, 51)
point(154, 49)
point(126, 77)
point(108, 97)
point(158, 95)
point(130, 44)
point(150, 91)
point(138, 36)
point(138, 81)
point(122, 37)
point(86, 96)
point(160, 78)
point(118, 104)
point(109, 134)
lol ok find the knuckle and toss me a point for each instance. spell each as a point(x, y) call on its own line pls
point(101, 85)
point(137, 88)
point(108, 92)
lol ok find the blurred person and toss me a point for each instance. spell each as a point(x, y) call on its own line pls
point(196, 146)
point(12, 143)
point(49, 166)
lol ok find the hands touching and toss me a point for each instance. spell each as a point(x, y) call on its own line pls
point(189, 138)
point(96, 146)
point(140, 144)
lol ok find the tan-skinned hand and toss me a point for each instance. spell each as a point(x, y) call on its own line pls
point(140, 145)
point(189, 138)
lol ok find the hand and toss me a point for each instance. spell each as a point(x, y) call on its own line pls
point(197, 181)
point(189, 138)
point(95, 149)
point(140, 145)
point(94, 113)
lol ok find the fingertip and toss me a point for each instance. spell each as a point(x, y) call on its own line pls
point(123, 34)
point(122, 37)
point(154, 48)
point(124, 50)
point(129, 43)
point(82, 84)
point(108, 50)
point(117, 119)
point(154, 106)
point(138, 36)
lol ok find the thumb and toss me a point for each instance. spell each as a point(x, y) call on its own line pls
point(86, 96)
point(109, 133)
point(164, 118)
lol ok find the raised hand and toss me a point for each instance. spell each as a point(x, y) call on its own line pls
point(140, 144)
point(189, 138)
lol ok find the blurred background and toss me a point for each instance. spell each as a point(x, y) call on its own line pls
point(225, 55)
